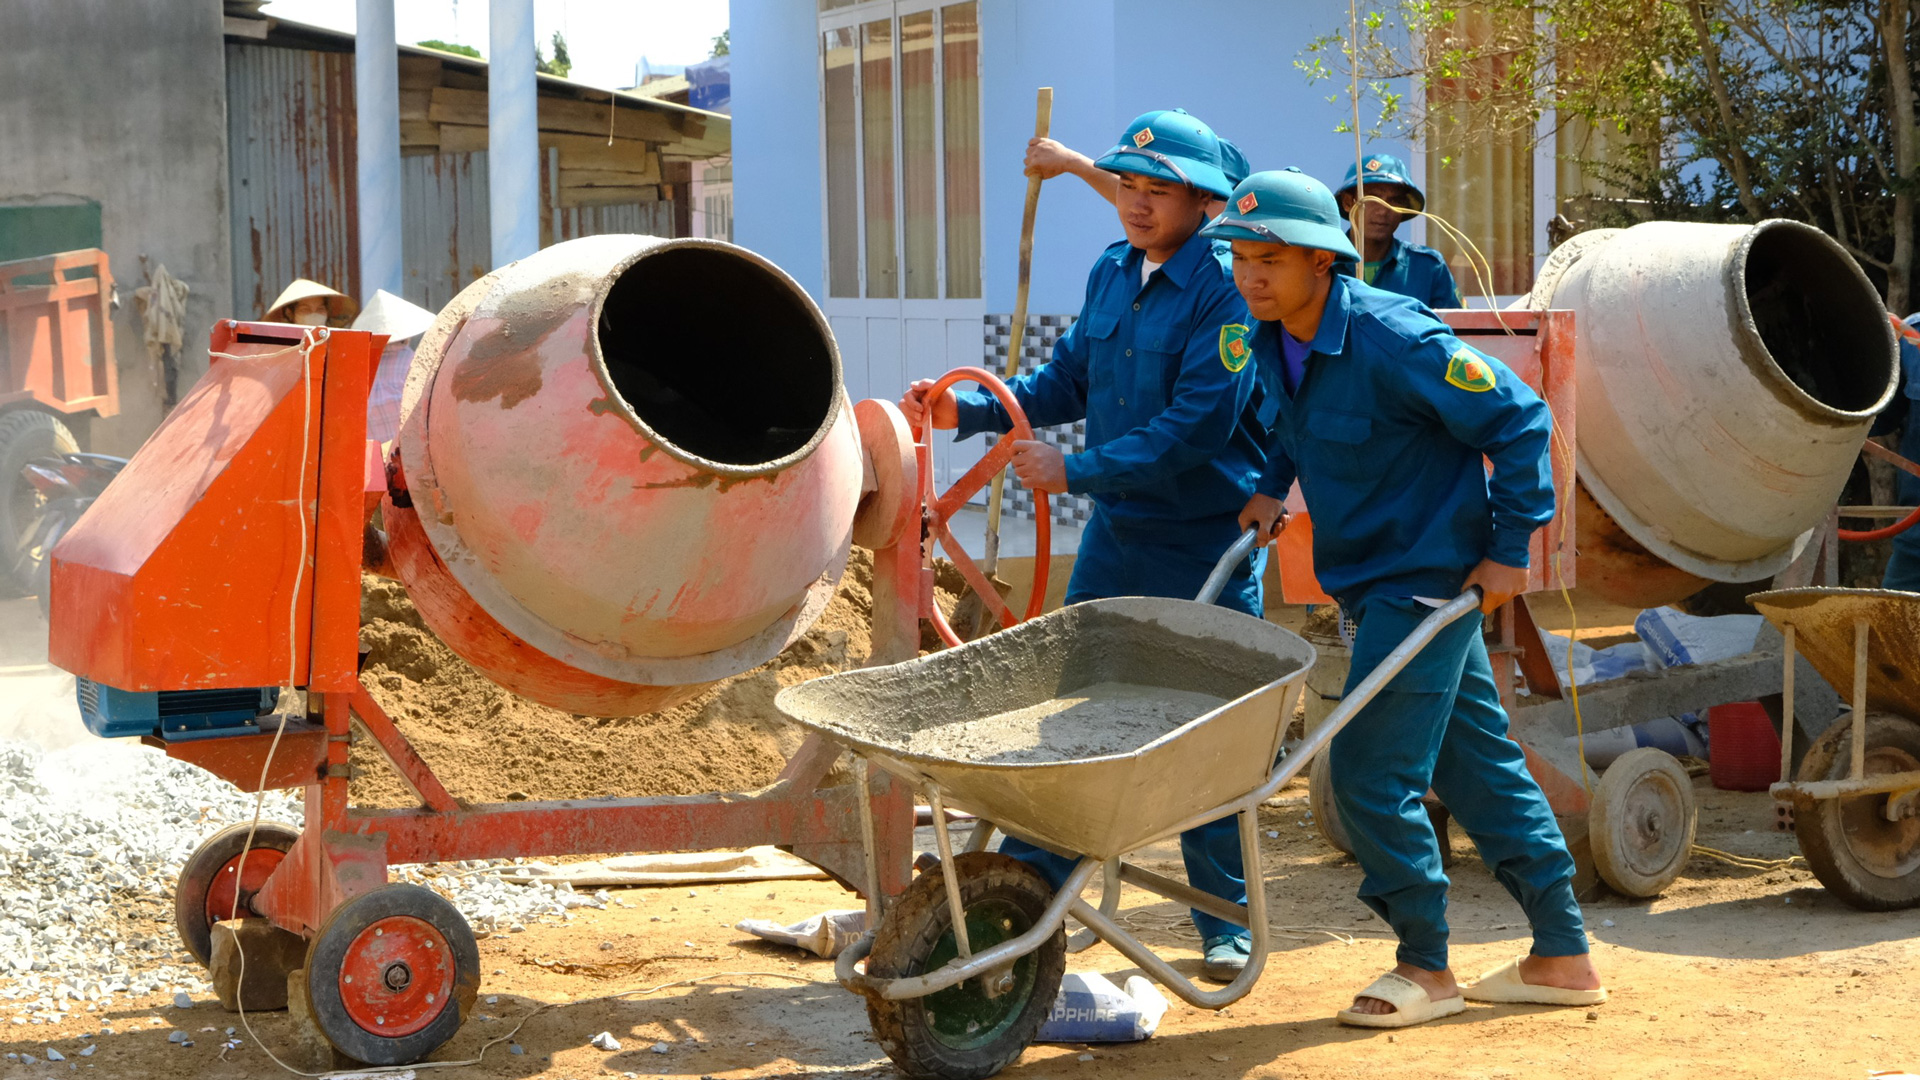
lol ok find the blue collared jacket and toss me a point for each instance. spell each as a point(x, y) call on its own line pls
point(1411, 270)
point(1163, 378)
point(1386, 434)
point(1901, 415)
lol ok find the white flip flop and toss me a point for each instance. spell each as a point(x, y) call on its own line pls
point(1410, 1002)
point(1504, 986)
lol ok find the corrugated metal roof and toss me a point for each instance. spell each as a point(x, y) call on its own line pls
point(290, 149)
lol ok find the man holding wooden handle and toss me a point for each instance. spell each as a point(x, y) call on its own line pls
point(1157, 365)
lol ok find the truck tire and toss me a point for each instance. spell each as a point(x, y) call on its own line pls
point(25, 434)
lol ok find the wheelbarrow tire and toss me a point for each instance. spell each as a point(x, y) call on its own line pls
point(1641, 824)
point(203, 893)
point(392, 974)
point(1867, 861)
point(25, 434)
point(960, 1033)
point(1326, 816)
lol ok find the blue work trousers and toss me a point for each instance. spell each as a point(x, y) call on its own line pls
point(1903, 568)
point(1107, 567)
point(1439, 724)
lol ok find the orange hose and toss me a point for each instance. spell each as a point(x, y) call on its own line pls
point(1894, 529)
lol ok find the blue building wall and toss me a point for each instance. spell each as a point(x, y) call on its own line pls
point(776, 136)
point(1229, 62)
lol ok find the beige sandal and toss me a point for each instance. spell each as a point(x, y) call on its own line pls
point(1410, 1002)
point(1504, 986)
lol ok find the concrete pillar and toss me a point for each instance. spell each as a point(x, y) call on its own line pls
point(376, 91)
point(513, 133)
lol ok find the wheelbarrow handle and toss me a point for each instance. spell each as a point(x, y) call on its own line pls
point(1222, 570)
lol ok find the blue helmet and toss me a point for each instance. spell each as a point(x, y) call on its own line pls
point(1168, 144)
point(1383, 169)
point(1283, 207)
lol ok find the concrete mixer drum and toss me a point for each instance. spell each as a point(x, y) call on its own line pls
point(1727, 377)
point(631, 471)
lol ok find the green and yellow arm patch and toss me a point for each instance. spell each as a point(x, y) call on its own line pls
point(1468, 370)
point(1234, 350)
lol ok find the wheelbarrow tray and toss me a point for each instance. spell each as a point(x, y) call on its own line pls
point(1823, 621)
point(1098, 806)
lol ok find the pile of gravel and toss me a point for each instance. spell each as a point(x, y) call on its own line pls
point(92, 839)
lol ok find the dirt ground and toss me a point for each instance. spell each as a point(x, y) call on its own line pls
point(1733, 973)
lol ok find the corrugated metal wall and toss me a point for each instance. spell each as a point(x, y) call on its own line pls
point(290, 123)
point(290, 144)
point(447, 245)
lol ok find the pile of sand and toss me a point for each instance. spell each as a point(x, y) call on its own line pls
point(488, 745)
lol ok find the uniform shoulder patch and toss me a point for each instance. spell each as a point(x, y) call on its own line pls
point(1234, 350)
point(1468, 371)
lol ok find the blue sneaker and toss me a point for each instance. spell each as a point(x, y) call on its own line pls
point(1226, 957)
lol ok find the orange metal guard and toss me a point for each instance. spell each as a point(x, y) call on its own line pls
point(941, 510)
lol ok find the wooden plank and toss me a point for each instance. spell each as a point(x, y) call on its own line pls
point(608, 196)
point(593, 152)
point(450, 106)
point(604, 178)
point(462, 138)
point(413, 104)
point(424, 133)
point(419, 72)
point(590, 118)
point(460, 79)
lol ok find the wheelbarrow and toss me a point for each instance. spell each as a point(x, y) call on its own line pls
point(1855, 805)
point(956, 995)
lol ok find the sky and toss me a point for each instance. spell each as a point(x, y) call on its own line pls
point(605, 38)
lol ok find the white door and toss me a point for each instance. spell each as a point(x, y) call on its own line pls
point(900, 139)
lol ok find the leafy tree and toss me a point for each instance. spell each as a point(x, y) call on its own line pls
point(447, 46)
point(723, 44)
point(1719, 110)
point(560, 65)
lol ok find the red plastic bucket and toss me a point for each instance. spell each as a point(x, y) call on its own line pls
point(1743, 749)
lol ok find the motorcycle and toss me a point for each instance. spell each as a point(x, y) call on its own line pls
point(66, 484)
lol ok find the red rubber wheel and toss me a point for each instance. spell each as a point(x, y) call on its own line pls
point(392, 974)
point(204, 893)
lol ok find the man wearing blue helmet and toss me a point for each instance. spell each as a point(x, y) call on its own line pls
point(1391, 263)
point(1386, 418)
point(1048, 158)
point(1157, 366)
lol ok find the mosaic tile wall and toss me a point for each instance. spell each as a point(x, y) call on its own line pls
point(1036, 346)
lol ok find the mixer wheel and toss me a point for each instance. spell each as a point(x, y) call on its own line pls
point(1326, 817)
point(1861, 857)
point(965, 1032)
point(203, 895)
point(392, 974)
point(1642, 822)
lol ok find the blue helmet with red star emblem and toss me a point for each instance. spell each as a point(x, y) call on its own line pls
point(1382, 169)
point(1170, 144)
point(1283, 207)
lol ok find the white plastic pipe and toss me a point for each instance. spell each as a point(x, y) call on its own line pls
point(513, 133)
point(376, 90)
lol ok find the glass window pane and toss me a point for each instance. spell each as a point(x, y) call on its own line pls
point(919, 149)
point(876, 129)
point(843, 164)
point(960, 60)
point(829, 5)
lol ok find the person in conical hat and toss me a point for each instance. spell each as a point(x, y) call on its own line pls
point(308, 303)
point(402, 322)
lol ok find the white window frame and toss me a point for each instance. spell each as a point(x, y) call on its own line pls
point(852, 18)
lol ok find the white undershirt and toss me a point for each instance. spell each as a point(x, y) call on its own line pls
point(1147, 267)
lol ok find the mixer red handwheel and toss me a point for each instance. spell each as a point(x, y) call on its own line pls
point(941, 510)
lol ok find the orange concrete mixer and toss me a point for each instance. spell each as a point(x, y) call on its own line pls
point(626, 469)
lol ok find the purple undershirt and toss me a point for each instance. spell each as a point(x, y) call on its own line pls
point(1293, 361)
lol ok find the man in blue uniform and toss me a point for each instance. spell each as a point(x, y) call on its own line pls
point(1903, 568)
point(1391, 263)
point(1385, 418)
point(1157, 366)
